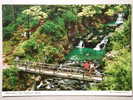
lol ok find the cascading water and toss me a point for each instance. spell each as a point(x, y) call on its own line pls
point(80, 53)
point(81, 44)
point(119, 19)
point(79, 48)
point(101, 45)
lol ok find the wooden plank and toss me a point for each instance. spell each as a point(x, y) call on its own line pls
point(63, 74)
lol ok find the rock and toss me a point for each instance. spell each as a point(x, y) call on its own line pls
point(41, 84)
point(81, 82)
point(38, 78)
point(57, 84)
point(48, 87)
point(47, 82)
point(61, 82)
point(97, 73)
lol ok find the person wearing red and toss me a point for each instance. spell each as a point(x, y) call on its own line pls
point(86, 67)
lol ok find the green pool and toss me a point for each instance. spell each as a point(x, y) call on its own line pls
point(83, 54)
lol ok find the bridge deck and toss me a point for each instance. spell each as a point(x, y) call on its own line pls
point(69, 75)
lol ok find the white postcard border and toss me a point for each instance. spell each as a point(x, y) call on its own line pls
point(41, 93)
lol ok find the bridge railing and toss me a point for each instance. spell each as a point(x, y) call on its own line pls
point(40, 67)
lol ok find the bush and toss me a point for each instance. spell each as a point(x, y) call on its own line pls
point(33, 22)
point(60, 21)
point(10, 78)
point(19, 51)
point(26, 47)
point(54, 29)
point(8, 30)
point(69, 16)
point(49, 53)
point(29, 44)
point(119, 70)
point(8, 46)
point(49, 27)
point(119, 67)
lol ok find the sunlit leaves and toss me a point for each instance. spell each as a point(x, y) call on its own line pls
point(10, 78)
point(49, 53)
point(91, 10)
point(119, 70)
point(114, 9)
point(87, 11)
point(36, 12)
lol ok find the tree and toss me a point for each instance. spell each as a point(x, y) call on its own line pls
point(119, 66)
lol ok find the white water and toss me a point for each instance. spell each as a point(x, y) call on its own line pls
point(119, 19)
point(80, 45)
point(103, 42)
point(41, 84)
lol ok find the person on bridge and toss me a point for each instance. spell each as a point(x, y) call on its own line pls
point(88, 67)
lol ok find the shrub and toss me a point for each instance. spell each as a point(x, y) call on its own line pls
point(8, 30)
point(19, 51)
point(69, 16)
point(50, 53)
point(10, 78)
point(49, 27)
point(119, 67)
point(119, 70)
point(54, 29)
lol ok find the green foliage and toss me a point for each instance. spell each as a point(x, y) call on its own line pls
point(8, 46)
point(50, 41)
point(114, 9)
point(10, 78)
point(15, 80)
point(119, 70)
point(49, 27)
point(119, 67)
point(49, 53)
point(69, 16)
point(7, 19)
point(91, 10)
point(110, 10)
point(8, 30)
point(33, 22)
point(35, 12)
point(60, 21)
point(19, 51)
point(25, 47)
point(29, 44)
point(21, 19)
point(122, 36)
point(54, 29)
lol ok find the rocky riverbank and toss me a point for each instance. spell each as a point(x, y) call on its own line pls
point(55, 84)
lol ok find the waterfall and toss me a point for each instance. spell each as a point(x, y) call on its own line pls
point(102, 44)
point(80, 45)
point(119, 19)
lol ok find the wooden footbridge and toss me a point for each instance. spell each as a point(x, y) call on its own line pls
point(68, 72)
